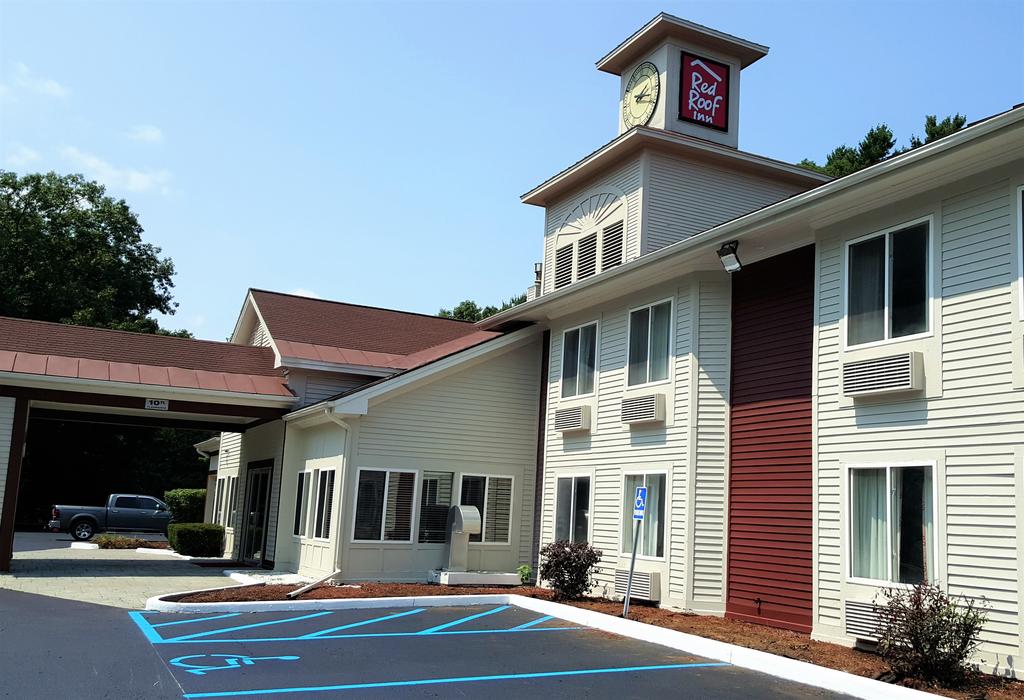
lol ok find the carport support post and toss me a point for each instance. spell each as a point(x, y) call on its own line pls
point(19, 429)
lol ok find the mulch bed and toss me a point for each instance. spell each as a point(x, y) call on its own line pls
point(785, 643)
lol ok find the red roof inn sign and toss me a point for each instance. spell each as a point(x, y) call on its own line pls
point(704, 92)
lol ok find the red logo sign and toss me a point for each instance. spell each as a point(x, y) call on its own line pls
point(704, 92)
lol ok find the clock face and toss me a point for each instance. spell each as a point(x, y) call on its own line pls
point(641, 96)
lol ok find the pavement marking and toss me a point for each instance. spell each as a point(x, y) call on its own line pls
point(195, 619)
point(531, 623)
point(441, 681)
point(446, 625)
point(197, 635)
point(363, 635)
point(147, 629)
point(313, 635)
point(230, 661)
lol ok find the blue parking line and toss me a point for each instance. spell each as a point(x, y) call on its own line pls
point(446, 625)
point(364, 635)
point(531, 623)
point(313, 635)
point(197, 635)
point(147, 629)
point(440, 681)
point(196, 619)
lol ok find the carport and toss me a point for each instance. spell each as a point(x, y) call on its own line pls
point(62, 372)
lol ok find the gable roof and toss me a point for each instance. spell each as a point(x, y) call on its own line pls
point(317, 330)
point(80, 352)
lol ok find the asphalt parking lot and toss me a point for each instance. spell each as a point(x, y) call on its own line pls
point(492, 651)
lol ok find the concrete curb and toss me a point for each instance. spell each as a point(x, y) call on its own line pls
point(161, 552)
point(742, 657)
point(84, 545)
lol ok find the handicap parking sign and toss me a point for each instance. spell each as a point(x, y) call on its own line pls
point(640, 503)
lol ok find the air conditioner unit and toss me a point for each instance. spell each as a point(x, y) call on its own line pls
point(884, 375)
point(646, 585)
point(862, 620)
point(573, 420)
point(643, 409)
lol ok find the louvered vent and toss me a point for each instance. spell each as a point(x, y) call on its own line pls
point(563, 266)
point(611, 246)
point(586, 258)
point(574, 419)
point(883, 375)
point(862, 620)
point(643, 409)
point(646, 585)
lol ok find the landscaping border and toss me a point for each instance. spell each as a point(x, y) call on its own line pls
point(742, 657)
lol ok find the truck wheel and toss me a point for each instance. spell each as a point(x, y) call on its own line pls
point(83, 530)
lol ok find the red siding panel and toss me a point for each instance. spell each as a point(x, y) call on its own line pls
point(770, 508)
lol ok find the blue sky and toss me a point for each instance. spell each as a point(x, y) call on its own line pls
point(375, 152)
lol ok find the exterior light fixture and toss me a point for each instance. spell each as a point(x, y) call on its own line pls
point(538, 271)
point(730, 259)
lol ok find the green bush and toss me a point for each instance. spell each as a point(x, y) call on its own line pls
point(525, 572)
point(925, 633)
point(569, 568)
point(186, 505)
point(119, 542)
point(196, 539)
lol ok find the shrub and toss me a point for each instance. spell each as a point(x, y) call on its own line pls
point(925, 633)
point(569, 567)
point(196, 539)
point(119, 542)
point(525, 572)
point(186, 505)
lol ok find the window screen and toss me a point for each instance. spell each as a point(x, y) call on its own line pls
point(435, 500)
point(369, 504)
point(301, 504)
point(324, 503)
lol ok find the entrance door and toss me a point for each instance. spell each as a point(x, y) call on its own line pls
point(257, 507)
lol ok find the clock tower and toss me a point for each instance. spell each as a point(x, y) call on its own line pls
point(682, 77)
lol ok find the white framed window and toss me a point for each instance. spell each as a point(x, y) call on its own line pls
point(324, 509)
point(435, 500)
point(891, 523)
point(572, 508)
point(650, 341)
point(384, 505)
point(231, 507)
point(579, 360)
point(888, 284)
point(652, 527)
point(218, 501)
point(600, 249)
point(492, 496)
point(300, 523)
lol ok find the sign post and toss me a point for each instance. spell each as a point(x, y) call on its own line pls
point(639, 507)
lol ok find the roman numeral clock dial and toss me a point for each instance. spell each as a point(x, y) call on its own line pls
point(641, 96)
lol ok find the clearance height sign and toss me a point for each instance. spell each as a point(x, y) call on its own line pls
point(704, 92)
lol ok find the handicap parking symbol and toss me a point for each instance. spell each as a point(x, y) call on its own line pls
point(640, 503)
point(227, 662)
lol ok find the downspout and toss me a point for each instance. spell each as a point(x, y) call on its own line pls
point(538, 481)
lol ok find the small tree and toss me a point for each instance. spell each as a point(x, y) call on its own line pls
point(569, 568)
point(187, 505)
point(925, 633)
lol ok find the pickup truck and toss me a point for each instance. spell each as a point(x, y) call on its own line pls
point(124, 511)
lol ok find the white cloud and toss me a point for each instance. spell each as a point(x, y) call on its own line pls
point(24, 78)
point(21, 155)
point(300, 292)
point(128, 179)
point(146, 133)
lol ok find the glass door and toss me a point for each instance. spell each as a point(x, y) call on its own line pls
point(257, 504)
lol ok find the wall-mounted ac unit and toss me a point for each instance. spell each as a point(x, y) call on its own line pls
point(646, 584)
point(643, 409)
point(862, 620)
point(884, 375)
point(573, 420)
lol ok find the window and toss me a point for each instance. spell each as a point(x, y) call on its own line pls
point(301, 504)
point(579, 260)
point(232, 506)
point(649, 329)
point(384, 501)
point(652, 527)
point(892, 524)
point(492, 496)
point(126, 502)
point(887, 289)
point(218, 501)
point(579, 357)
point(572, 509)
point(435, 500)
point(324, 503)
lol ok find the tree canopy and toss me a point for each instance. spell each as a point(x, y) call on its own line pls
point(878, 144)
point(71, 254)
point(469, 310)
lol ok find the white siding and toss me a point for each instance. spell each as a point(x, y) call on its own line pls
point(625, 179)
point(478, 420)
point(6, 434)
point(313, 387)
point(971, 427)
point(259, 336)
point(683, 197)
point(228, 461)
